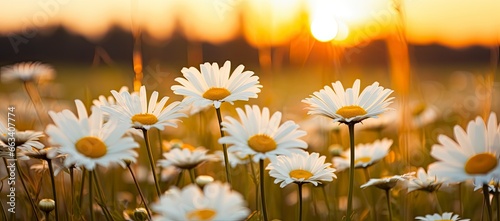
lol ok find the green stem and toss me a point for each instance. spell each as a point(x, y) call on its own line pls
point(498, 201)
point(72, 180)
point(326, 200)
point(351, 172)
point(151, 161)
point(388, 196)
point(51, 171)
point(300, 201)
point(139, 190)
point(35, 98)
point(460, 198)
point(160, 143)
point(100, 194)
point(224, 148)
point(33, 206)
point(437, 202)
point(262, 192)
point(91, 197)
point(82, 183)
point(486, 195)
point(254, 179)
point(179, 178)
point(191, 176)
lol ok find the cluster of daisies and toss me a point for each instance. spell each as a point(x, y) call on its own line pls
point(116, 125)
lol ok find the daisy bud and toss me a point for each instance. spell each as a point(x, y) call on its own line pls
point(140, 214)
point(203, 180)
point(47, 205)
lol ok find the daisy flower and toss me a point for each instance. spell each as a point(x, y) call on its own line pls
point(27, 71)
point(214, 85)
point(349, 106)
point(215, 202)
point(135, 110)
point(366, 154)
point(87, 142)
point(261, 135)
point(438, 217)
point(186, 157)
point(24, 141)
point(301, 167)
point(424, 181)
point(387, 182)
point(473, 156)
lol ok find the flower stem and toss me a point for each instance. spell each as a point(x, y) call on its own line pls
point(371, 197)
point(24, 186)
point(224, 148)
point(191, 176)
point(351, 172)
point(82, 183)
point(300, 201)
point(388, 196)
point(498, 201)
point(437, 202)
point(151, 161)
point(91, 197)
point(486, 195)
point(326, 200)
point(254, 179)
point(100, 194)
point(262, 192)
point(37, 101)
point(51, 171)
point(139, 190)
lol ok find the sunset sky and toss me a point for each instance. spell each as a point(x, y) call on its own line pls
point(455, 23)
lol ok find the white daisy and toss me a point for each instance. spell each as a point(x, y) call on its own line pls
point(366, 154)
point(22, 141)
point(261, 135)
point(108, 101)
point(214, 85)
point(474, 155)
point(437, 217)
point(87, 142)
point(424, 181)
point(235, 158)
point(215, 202)
point(135, 110)
point(387, 182)
point(27, 71)
point(301, 167)
point(349, 105)
point(186, 157)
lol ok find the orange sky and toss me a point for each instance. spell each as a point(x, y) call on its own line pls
point(455, 23)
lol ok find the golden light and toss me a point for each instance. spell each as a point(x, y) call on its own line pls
point(343, 31)
point(324, 28)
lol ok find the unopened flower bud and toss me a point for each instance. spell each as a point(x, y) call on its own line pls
point(47, 205)
point(204, 180)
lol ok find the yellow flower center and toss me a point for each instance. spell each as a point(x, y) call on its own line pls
point(201, 214)
point(351, 111)
point(145, 119)
point(262, 143)
point(216, 93)
point(299, 174)
point(481, 163)
point(362, 160)
point(188, 146)
point(91, 147)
